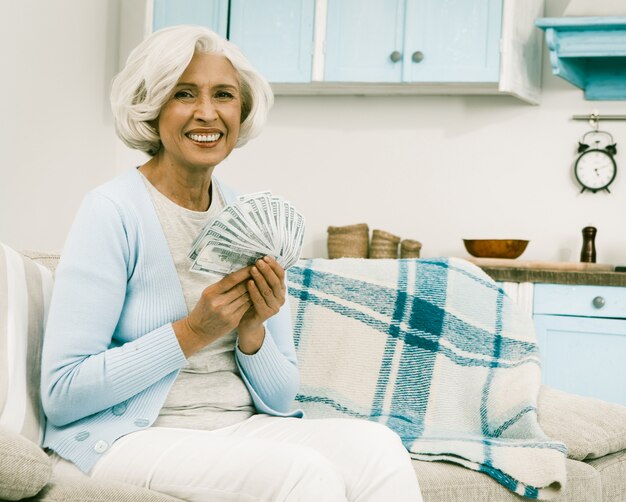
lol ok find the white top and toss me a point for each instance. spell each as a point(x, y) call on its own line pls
point(209, 393)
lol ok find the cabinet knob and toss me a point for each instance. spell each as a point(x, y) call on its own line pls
point(598, 302)
point(417, 56)
point(395, 56)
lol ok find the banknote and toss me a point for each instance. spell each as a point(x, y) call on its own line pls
point(255, 225)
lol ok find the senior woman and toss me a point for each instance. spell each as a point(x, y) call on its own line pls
point(181, 382)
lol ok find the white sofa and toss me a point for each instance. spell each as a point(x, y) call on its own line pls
point(594, 431)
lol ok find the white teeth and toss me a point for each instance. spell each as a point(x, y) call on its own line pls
point(205, 138)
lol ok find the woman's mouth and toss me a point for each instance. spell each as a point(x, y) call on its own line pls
point(204, 138)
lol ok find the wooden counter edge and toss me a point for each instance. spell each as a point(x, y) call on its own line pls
point(557, 276)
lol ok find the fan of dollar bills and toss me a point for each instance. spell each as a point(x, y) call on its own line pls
point(257, 225)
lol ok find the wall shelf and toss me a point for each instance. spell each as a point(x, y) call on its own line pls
point(589, 52)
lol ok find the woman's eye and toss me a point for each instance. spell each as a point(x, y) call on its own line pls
point(183, 95)
point(224, 95)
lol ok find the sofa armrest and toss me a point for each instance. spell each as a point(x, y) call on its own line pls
point(591, 428)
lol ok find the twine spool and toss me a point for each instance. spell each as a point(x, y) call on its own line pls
point(351, 241)
point(410, 248)
point(384, 245)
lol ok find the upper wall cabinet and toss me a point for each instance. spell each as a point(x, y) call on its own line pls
point(589, 52)
point(276, 36)
point(210, 13)
point(413, 41)
point(374, 46)
point(364, 41)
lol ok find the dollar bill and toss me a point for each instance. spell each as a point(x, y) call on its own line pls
point(256, 225)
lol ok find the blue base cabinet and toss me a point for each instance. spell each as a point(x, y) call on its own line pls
point(581, 332)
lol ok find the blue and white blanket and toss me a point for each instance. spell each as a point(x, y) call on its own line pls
point(434, 349)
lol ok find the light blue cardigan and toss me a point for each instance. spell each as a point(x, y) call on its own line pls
point(110, 354)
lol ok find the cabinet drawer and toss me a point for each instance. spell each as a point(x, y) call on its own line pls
point(585, 301)
point(583, 355)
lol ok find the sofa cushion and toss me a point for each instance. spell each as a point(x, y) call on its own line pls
point(443, 481)
point(89, 490)
point(612, 469)
point(25, 289)
point(590, 428)
point(24, 467)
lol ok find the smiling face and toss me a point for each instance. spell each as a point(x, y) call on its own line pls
point(199, 124)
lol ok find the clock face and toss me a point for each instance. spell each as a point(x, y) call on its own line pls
point(595, 169)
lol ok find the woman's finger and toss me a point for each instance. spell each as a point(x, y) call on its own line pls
point(243, 308)
point(264, 288)
point(232, 279)
point(272, 279)
point(255, 296)
point(235, 292)
point(275, 266)
point(242, 300)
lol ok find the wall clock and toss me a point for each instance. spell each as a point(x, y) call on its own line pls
point(595, 168)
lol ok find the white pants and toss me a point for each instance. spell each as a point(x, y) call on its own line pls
point(267, 459)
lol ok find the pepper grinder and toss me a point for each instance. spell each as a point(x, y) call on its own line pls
point(588, 251)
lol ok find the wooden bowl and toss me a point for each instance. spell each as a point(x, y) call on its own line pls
point(495, 248)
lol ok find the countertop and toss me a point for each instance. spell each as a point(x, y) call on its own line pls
point(593, 274)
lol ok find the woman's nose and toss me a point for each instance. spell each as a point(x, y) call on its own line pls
point(205, 110)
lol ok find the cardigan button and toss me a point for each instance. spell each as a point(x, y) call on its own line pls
point(142, 422)
point(101, 446)
point(119, 409)
point(81, 436)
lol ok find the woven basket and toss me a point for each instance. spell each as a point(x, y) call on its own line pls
point(410, 249)
point(351, 241)
point(384, 245)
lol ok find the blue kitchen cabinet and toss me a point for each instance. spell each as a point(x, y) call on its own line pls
point(364, 41)
point(277, 37)
point(413, 41)
point(581, 332)
point(385, 47)
point(212, 14)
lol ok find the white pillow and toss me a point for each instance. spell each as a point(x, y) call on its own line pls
point(25, 289)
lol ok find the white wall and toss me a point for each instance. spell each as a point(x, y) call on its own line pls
point(55, 123)
point(432, 168)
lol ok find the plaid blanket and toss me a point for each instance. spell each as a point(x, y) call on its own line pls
point(434, 349)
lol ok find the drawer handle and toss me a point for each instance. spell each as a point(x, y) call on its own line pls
point(395, 56)
point(598, 302)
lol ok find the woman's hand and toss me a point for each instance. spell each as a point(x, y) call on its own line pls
point(219, 310)
point(266, 291)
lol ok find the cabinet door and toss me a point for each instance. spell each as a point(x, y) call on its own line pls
point(277, 37)
point(361, 36)
point(584, 355)
point(452, 41)
point(212, 14)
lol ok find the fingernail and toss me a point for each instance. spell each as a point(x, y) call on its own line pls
point(260, 264)
point(254, 270)
point(267, 259)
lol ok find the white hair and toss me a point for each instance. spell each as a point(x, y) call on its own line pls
point(154, 67)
